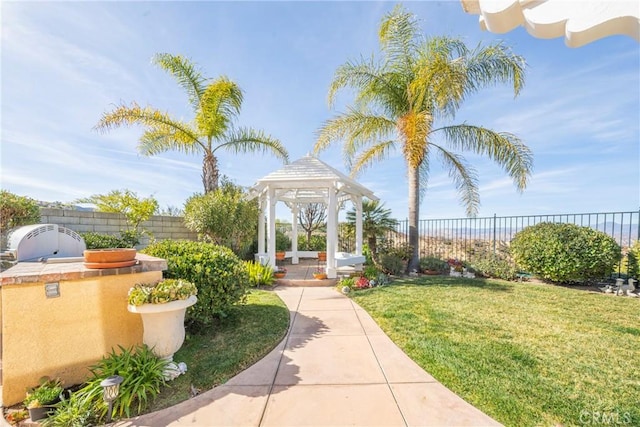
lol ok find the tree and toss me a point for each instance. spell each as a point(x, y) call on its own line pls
point(127, 203)
point(397, 101)
point(224, 217)
point(16, 211)
point(376, 222)
point(215, 103)
point(312, 217)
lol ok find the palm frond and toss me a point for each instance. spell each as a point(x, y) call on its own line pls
point(220, 103)
point(162, 139)
point(506, 149)
point(185, 73)
point(159, 127)
point(368, 157)
point(370, 84)
point(493, 64)
point(399, 36)
point(245, 140)
point(356, 128)
point(465, 179)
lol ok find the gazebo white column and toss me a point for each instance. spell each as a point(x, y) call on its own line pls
point(294, 234)
point(358, 207)
point(332, 233)
point(261, 224)
point(271, 232)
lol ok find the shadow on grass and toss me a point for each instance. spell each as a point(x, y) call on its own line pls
point(448, 282)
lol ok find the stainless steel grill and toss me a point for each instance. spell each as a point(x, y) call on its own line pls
point(40, 242)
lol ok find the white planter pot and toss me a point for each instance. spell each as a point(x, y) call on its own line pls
point(164, 327)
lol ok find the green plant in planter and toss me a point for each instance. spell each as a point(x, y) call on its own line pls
point(46, 393)
point(164, 291)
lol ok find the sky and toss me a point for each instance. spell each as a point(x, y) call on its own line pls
point(63, 64)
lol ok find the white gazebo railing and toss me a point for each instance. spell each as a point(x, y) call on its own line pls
point(308, 180)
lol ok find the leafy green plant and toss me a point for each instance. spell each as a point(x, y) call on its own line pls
point(317, 243)
point(432, 264)
point(136, 210)
point(392, 264)
point(220, 276)
point(371, 272)
point(259, 275)
point(76, 411)
point(162, 292)
point(143, 379)
point(47, 392)
point(565, 253)
point(349, 282)
point(103, 241)
point(633, 258)
point(224, 216)
point(497, 266)
point(16, 211)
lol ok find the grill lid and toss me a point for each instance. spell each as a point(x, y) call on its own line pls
point(33, 242)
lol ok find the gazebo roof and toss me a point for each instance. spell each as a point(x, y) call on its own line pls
point(307, 180)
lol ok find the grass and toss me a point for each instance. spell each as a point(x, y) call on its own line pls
point(526, 354)
point(235, 343)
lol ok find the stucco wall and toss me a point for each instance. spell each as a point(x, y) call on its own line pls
point(61, 337)
point(161, 227)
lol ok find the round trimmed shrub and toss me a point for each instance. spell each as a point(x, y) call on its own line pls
point(220, 276)
point(565, 253)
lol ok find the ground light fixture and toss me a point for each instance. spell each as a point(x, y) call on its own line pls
point(110, 390)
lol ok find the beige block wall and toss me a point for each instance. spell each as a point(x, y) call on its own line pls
point(160, 227)
point(63, 336)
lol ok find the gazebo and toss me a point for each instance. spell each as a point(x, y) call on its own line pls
point(308, 180)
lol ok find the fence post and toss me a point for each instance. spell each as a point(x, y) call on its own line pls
point(495, 219)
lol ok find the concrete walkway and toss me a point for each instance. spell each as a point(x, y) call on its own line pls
point(334, 368)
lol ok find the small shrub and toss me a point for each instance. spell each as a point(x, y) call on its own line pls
point(348, 282)
point(432, 264)
point(317, 243)
point(103, 241)
point(565, 253)
point(259, 275)
point(633, 258)
point(220, 276)
point(371, 272)
point(392, 264)
point(495, 266)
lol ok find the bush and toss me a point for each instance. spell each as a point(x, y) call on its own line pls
point(259, 275)
point(495, 266)
point(633, 258)
point(318, 243)
point(432, 264)
point(224, 217)
point(565, 253)
point(392, 264)
point(103, 241)
point(220, 276)
point(16, 211)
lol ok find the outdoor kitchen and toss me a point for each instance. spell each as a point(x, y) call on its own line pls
point(57, 316)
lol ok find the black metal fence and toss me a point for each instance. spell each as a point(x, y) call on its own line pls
point(461, 238)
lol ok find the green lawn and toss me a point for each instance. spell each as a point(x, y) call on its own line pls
point(235, 343)
point(526, 354)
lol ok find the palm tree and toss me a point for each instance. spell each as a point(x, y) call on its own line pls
point(216, 103)
point(398, 100)
point(376, 222)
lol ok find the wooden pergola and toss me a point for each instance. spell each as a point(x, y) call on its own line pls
point(308, 180)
